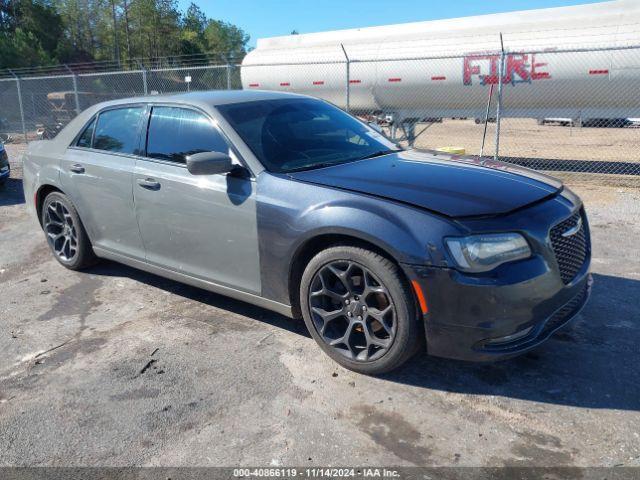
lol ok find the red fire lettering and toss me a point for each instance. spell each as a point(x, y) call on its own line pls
point(516, 65)
point(517, 69)
point(535, 74)
point(492, 79)
point(470, 70)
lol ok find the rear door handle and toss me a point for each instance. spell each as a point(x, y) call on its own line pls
point(149, 183)
point(76, 168)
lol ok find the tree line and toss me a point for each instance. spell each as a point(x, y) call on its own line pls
point(48, 32)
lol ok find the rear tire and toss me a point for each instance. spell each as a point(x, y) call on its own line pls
point(65, 233)
point(360, 310)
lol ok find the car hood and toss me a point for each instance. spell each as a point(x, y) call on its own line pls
point(448, 184)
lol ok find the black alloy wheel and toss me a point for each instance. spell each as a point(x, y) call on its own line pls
point(352, 311)
point(360, 309)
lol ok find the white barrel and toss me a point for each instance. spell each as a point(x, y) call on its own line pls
point(445, 68)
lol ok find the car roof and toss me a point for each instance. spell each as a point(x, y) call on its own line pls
point(209, 98)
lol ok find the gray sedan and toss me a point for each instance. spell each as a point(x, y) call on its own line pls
point(289, 203)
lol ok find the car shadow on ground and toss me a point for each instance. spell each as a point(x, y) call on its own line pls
point(592, 363)
point(112, 269)
point(11, 193)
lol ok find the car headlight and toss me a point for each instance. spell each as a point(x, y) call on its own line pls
point(481, 253)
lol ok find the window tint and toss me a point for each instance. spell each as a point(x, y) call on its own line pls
point(298, 134)
point(117, 130)
point(87, 135)
point(175, 133)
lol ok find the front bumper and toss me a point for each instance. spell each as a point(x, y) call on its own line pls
point(470, 320)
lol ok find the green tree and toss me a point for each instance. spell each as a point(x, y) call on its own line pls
point(192, 37)
point(22, 49)
point(194, 19)
point(41, 19)
point(37, 32)
point(224, 38)
point(29, 33)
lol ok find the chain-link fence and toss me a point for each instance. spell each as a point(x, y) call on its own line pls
point(573, 113)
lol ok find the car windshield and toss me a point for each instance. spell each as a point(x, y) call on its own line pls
point(296, 134)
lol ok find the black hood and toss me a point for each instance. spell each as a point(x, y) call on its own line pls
point(447, 184)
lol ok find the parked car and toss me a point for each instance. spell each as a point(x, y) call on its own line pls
point(287, 202)
point(482, 121)
point(587, 122)
point(5, 168)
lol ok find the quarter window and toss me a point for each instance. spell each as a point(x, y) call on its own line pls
point(117, 130)
point(175, 133)
point(87, 135)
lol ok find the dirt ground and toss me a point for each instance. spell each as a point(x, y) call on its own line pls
point(117, 367)
point(524, 138)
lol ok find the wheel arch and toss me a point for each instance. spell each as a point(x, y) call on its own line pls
point(39, 196)
point(322, 241)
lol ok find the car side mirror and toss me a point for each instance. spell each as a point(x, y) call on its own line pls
point(209, 163)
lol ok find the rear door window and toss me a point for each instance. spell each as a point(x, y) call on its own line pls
point(175, 133)
point(117, 130)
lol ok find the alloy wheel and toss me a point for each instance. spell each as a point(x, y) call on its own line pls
point(352, 311)
point(60, 231)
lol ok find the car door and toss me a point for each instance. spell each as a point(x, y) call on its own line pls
point(201, 225)
point(97, 174)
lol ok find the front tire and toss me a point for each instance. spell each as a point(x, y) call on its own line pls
point(65, 233)
point(359, 308)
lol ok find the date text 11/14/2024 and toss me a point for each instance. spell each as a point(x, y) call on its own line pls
point(282, 472)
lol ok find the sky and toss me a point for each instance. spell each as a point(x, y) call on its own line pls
point(270, 18)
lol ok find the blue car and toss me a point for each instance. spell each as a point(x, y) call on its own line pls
point(287, 202)
point(5, 169)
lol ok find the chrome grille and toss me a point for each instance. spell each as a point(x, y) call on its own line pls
point(570, 245)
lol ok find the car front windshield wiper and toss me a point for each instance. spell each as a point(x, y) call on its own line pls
point(379, 153)
point(313, 166)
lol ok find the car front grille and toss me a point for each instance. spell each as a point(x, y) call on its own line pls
point(570, 245)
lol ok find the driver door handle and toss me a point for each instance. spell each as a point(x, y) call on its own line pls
point(149, 183)
point(76, 168)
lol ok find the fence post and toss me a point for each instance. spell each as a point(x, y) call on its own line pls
point(19, 88)
point(144, 81)
point(499, 106)
point(348, 79)
point(75, 88)
point(228, 75)
point(144, 76)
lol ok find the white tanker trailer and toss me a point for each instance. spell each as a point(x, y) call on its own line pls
point(445, 68)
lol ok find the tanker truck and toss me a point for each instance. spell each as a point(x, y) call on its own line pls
point(575, 63)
